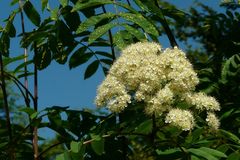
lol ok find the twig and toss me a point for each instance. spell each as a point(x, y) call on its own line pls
point(154, 130)
point(5, 103)
point(94, 54)
point(35, 105)
point(167, 29)
point(110, 37)
point(22, 85)
point(128, 3)
point(49, 148)
point(25, 52)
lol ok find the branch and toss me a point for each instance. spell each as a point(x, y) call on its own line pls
point(35, 105)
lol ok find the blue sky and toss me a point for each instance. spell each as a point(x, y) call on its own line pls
point(58, 85)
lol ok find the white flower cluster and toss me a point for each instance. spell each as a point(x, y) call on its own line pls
point(180, 118)
point(212, 121)
point(146, 73)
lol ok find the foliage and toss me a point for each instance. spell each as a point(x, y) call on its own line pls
point(94, 31)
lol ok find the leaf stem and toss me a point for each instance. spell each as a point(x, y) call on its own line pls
point(110, 37)
point(166, 27)
point(35, 105)
point(94, 54)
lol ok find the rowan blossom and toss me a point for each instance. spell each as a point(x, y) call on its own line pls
point(202, 102)
point(212, 121)
point(158, 78)
point(182, 119)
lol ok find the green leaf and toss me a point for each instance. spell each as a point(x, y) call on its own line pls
point(44, 4)
point(14, 2)
point(60, 157)
point(54, 14)
point(20, 66)
point(141, 21)
point(64, 3)
point(64, 156)
point(201, 153)
point(168, 151)
point(75, 146)
point(79, 57)
point(25, 75)
point(81, 5)
point(234, 156)
point(43, 58)
point(97, 144)
point(141, 5)
point(72, 18)
point(8, 60)
point(213, 152)
point(31, 13)
point(135, 32)
point(230, 136)
point(145, 127)
point(118, 40)
point(174, 153)
point(91, 69)
point(28, 110)
point(105, 54)
point(92, 21)
point(34, 115)
point(230, 68)
point(194, 157)
point(107, 61)
point(97, 33)
point(9, 28)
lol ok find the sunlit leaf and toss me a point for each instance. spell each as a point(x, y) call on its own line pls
point(98, 32)
point(135, 32)
point(201, 153)
point(118, 40)
point(44, 4)
point(97, 144)
point(9, 60)
point(75, 146)
point(64, 3)
point(213, 152)
point(92, 21)
point(141, 21)
point(83, 5)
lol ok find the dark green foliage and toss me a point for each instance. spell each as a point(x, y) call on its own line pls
point(31, 13)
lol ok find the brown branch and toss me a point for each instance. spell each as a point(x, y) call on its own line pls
point(5, 104)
